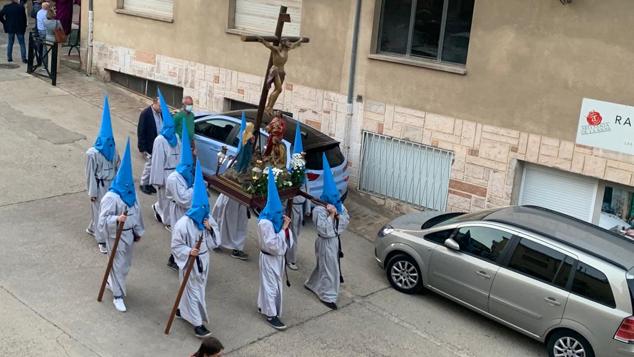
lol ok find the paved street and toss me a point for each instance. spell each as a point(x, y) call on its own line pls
point(50, 268)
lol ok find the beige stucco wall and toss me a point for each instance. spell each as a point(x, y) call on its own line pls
point(198, 34)
point(529, 67)
point(530, 63)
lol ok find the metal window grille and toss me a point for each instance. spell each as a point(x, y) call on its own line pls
point(405, 171)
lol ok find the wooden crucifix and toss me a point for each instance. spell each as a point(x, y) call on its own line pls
point(275, 74)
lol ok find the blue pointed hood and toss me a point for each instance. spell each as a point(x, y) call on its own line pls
point(331, 193)
point(273, 211)
point(243, 126)
point(105, 140)
point(200, 202)
point(186, 166)
point(123, 183)
point(298, 146)
point(169, 128)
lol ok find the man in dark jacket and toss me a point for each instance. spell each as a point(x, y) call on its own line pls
point(150, 124)
point(13, 18)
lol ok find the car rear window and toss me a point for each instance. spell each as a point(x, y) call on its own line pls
point(593, 285)
point(216, 129)
point(314, 158)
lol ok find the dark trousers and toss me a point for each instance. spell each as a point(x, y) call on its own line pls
point(12, 37)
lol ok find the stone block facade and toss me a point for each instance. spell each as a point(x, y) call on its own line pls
point(486, 157)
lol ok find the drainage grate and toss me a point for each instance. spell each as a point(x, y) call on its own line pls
point(9, 66)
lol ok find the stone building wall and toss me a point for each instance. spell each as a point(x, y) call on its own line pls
point(486, 157)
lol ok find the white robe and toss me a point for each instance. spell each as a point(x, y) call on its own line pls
point(179, 198)
point(185, 234)
point(99, 175)
point(112, 207)
point(297, 217)
point(164, 161)
point(324, 280)
point(233, 220)
point(271, 267)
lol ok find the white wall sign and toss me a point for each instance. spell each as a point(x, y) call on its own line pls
point(606, 125)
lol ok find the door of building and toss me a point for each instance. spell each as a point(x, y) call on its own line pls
point(560, 191)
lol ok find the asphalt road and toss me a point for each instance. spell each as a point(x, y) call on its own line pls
point(50, 269)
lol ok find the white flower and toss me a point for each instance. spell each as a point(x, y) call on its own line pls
point(297, 162)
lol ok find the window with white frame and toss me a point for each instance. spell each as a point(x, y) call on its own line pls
point(159, 8)
point(260, 16)
point(437, 30)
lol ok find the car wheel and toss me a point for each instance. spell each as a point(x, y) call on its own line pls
point(566, 343)
point(404, 274)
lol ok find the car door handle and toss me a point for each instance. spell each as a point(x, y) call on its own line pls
point(552, 301)
point(483, 274)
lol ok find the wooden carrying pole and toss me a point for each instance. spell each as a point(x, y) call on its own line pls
point(313, 199)
point(188, 270)
point(113, 252)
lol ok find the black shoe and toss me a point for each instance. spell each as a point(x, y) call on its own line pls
point(24, 61)
point(145, 189)
point(201, 331)
point(238, 254)
point(276, 323)
point(331, 305)
point(178, 314)
point(9, 60)
point(172, 264)
point(151, 188)
point(217, 250)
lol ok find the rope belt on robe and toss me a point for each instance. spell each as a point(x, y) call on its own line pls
point(288, 282)
point(340, 253)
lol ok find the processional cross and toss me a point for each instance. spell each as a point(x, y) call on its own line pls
point(279, 46)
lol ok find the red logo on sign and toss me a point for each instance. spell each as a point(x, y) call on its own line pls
point(594, 118)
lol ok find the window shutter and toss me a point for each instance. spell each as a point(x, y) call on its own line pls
point(155, 7)
point(260, 16)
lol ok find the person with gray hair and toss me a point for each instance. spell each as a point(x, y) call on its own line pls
point(149, 125)
point(186, 117)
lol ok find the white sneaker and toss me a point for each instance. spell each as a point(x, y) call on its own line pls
point(102, 248)
point(90, 232)
point(169, 228)
point(119, 305)
point(292, 266)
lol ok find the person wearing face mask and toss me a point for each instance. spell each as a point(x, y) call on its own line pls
point(186, 118)
point(150, 124)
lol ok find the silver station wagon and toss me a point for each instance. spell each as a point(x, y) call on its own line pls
point(550, 276)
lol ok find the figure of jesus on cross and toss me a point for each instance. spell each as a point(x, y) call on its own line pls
point(275, 73)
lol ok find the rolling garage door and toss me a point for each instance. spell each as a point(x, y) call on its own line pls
point(565, 192)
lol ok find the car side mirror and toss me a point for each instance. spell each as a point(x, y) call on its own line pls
point(452, 244)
